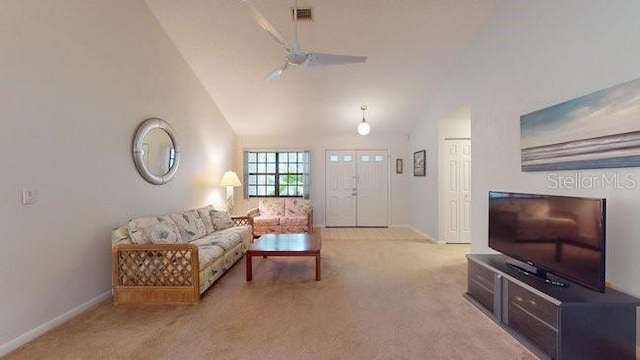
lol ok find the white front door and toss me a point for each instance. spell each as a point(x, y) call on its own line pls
point(372, 189)
point(340, 174)
point(356, 188)
point(457, 183)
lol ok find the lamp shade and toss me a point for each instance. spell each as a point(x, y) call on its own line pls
point(230, 178)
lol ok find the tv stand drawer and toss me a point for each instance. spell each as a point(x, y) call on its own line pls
point(482, 275)
point(542, 309)
point(532, 317)
point(481, 283)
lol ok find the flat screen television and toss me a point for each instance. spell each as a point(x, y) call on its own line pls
point(561, 235)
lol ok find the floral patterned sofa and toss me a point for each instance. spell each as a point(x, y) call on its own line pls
point(281, 215)
point(173, 259)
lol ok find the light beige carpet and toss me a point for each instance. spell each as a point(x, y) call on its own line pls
point(379, 298)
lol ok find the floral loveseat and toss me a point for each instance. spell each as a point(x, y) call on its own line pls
point(281, 215)
point(174, 258)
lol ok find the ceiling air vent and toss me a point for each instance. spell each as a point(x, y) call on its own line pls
point(304, 14)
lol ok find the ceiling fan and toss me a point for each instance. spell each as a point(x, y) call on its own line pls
point(294, 55)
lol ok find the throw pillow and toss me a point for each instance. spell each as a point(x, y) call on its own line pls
point(164, 233)
point(221, 220)
point(148, 230)
point(206, 217)
point(190, 225)
point(120, 236)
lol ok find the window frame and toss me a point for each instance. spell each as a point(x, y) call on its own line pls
point(275, 159)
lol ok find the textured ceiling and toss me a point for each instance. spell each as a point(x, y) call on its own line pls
point(411, 45)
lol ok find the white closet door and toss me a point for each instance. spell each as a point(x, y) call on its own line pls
point(340, 182)
point(458, 191)
point(372, 188)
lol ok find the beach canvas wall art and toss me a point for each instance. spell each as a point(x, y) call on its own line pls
point(599, 130)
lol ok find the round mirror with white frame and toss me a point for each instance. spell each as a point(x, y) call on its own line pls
point(155, 151)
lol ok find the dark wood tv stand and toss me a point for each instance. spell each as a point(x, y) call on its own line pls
point(553, 322)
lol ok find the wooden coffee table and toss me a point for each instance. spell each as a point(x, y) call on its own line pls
point(285, 245)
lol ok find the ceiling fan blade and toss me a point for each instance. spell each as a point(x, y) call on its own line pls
point(266, 25)
point(276, 73)
point(320, 59)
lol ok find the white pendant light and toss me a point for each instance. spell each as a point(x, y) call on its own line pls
point(363, 127)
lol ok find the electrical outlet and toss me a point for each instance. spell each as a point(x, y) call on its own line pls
point(29, 196)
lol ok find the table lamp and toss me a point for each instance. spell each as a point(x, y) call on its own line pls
point(230, 180)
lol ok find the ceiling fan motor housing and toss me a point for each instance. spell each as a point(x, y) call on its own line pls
point(296, 58)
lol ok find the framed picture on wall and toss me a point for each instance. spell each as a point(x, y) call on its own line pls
point(420, 163)
point(398, 166)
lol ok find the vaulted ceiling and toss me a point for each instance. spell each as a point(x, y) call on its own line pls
point(411, 45)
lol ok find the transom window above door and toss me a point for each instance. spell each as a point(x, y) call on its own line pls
point(276, 173)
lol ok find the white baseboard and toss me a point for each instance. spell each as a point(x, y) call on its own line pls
point(429, 237)
point(34, 333)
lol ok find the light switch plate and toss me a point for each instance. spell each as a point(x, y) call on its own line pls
point(29, 196)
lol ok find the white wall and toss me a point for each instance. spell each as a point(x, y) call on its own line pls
point(423, 202)
point(397, 147)
point(456, 125)
point(534, 54)
point(76, 78)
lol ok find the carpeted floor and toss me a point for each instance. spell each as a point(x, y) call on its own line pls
point(378, 299)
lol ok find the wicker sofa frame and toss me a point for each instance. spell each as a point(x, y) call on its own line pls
point(158, 273)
